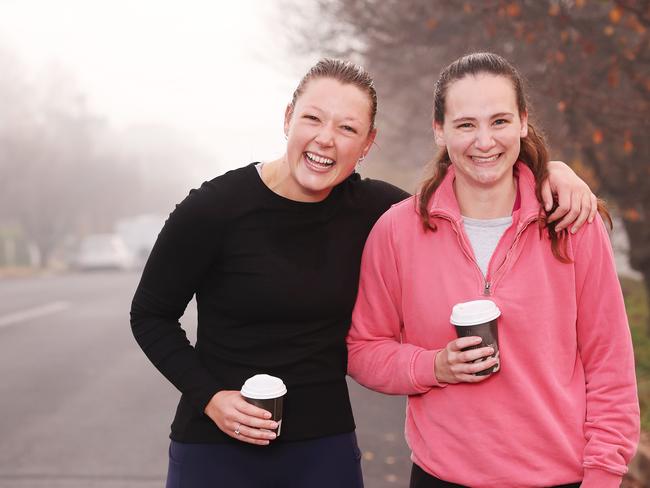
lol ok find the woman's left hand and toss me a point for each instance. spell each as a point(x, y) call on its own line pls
point(576, 202)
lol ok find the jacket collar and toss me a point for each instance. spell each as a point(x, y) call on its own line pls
point(444, 199)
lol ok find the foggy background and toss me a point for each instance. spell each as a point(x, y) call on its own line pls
point(110, 111)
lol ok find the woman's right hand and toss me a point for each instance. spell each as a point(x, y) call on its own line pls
point(239, 419)
point(453, 365)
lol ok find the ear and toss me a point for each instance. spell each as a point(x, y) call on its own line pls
point(288, 112)
point(524, 125)
point(439, 134)
point(371, 138)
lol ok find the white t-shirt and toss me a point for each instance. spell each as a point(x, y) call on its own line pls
point(484, 235)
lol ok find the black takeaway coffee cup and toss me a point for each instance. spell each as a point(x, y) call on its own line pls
point(479, 318)
point(267, 392)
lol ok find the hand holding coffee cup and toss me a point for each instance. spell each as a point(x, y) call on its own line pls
point(239, 419)
point(478, 318)
point(475, 354)
point(266, 392)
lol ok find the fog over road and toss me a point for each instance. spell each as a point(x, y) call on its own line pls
point(81, 406)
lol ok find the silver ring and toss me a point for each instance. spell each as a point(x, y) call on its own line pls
point(237, 432)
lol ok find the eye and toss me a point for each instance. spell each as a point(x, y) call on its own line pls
point(500, 121)
point(349, 128)
point(465, 125)
point(310, 117)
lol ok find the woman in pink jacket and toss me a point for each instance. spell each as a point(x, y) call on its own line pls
point(563, 409)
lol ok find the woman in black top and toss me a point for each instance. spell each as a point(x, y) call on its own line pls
point(272, 253)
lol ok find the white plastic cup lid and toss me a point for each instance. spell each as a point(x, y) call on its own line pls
point(263, 386)
point(474, 312)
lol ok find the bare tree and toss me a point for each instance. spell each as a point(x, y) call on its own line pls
point(64, 171)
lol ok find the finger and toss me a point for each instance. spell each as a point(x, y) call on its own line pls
point(257, 423)
point(585, 209)
point(471, 378)
point(469, 371)
point(252, 433)
point(547, 195)
point(251, 410)
point(572, 214)
point(474, 366)
point(594, 208)
point(461, 343)
point(250, 440)
point(475, 354)
point(564, 204)
point(479, 366)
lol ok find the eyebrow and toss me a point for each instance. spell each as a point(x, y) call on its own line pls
point(495, 116)
point(314, 107)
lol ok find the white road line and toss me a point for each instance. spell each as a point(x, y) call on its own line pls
point(33, 313)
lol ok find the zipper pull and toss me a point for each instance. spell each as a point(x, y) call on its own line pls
point(486, 289)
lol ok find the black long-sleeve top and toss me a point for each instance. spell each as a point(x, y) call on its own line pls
point(275, 283)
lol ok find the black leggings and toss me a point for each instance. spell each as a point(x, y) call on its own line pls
point(422, 479)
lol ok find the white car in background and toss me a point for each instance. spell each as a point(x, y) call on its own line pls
point(140, 233)
point(103, 251)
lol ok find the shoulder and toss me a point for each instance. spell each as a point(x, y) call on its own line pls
point(399, 216)
point(231, 182)
point(404, 210)
point(596, 231)
point(382, 189)
point(377, 194)
point(590, 238)
point(217, 197)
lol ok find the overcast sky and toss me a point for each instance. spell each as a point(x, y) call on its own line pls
point(216, 70)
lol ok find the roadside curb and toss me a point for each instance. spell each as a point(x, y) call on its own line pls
point(19, 272)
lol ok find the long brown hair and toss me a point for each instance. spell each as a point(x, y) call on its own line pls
point(533, 152)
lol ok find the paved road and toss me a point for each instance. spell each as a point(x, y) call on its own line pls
point(80, 405)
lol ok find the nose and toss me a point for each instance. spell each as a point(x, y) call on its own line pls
point(325, 135)
point(484, 140)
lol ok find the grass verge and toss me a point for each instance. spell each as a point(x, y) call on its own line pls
point(637, 313)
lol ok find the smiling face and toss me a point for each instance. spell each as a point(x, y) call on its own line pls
point(328, 130)
point(482, 129)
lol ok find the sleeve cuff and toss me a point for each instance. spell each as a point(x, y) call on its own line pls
point(201, 397)
point(598, 478)
point(424, 374)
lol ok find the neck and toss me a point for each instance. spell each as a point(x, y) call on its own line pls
point(481, 202)
point(277, 176)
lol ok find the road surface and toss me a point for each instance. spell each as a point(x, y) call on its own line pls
point(81, 406)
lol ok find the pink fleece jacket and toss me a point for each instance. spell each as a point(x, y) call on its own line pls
point(564, 406)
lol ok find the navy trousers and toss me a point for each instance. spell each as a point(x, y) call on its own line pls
point(326, 462)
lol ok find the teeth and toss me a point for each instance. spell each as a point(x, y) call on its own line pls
point(319, 159)
point(485, 160)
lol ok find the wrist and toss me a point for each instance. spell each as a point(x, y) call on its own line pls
point(598, 478)
point(208, 407)
point(438, 368)
point(424, 370)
